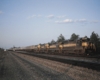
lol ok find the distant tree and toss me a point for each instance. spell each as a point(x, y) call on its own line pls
point(1, 49)
point(53, 41)
point(85, 37)
point(96, 40)
point(74, 37)
point(94, 37)
point(60, 38)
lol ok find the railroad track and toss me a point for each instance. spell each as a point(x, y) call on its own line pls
point(91, 63)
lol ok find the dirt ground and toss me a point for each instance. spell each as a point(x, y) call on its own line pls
point(16, 66)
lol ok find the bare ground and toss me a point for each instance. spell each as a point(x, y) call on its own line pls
point(14, 66)
point(75, 72)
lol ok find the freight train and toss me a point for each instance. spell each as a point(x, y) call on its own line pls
point(83, 46)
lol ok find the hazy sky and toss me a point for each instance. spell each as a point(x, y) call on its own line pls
point(30, 22)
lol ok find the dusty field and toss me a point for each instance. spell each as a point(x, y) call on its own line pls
point(16, 66)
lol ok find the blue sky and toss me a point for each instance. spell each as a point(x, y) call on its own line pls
point(30, 22)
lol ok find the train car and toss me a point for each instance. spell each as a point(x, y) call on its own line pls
point(28, 48)
point(36, 48)
point(46, 47)
point(42, 48)
point(68, 47)
point(53, 48)
point(82, 46)
point(32, 48)
point(88, 46)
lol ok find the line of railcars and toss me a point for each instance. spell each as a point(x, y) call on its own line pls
point(83, 46)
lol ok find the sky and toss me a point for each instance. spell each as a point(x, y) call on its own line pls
point(31, 22)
